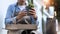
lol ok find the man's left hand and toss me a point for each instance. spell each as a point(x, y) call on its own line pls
point(33, 13)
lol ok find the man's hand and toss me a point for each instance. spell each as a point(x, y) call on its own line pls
point(21, 14)
point(33, 13)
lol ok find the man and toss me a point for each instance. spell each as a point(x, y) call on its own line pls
point(17, 11)
point(18, 8)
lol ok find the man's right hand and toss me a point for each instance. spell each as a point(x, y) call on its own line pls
point(21, 14)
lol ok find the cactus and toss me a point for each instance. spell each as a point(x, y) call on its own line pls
point(30, 4)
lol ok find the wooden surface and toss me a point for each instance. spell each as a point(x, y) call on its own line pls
point(20, 26)
point(13, 32)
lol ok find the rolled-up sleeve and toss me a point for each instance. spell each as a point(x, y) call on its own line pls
point(9, 18)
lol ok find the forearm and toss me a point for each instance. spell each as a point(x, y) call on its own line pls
point(10, 20)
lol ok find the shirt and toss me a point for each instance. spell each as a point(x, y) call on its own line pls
point(22, 7)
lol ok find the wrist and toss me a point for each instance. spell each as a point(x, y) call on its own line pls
point(35, 17)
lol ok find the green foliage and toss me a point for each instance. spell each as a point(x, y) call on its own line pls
point(31, 5)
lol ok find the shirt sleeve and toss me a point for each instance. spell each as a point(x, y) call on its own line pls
point(9, 18)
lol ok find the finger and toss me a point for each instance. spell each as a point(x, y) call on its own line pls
point(23, 13)
point(32, 13)
point(32, 9)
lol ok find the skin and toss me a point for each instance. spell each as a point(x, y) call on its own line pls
point(23, 13)
point(21, 2)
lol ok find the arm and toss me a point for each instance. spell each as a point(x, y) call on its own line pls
point(9, 18)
